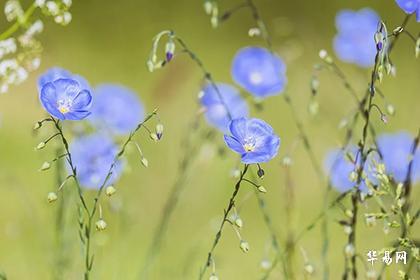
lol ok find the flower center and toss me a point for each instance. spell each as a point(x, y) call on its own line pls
point(249, 147)
point(64, 106)
point(256, 78)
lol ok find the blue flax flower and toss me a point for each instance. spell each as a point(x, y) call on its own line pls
point(92, 157)
point(340, 164)
point(217, 110)
point(355, 42)
point(116, 109)
point(65, 99)
point(253, 139)
point(259, 71)
point(410, 6)
point(396, 151)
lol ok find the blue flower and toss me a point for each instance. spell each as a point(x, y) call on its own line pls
point(65, 99)
point(396, 150)
point(217, 110)
point(355, 42)
point(259, 71)
point(410, 6)
point(253, 139)
point(56, 73)
point(339, 165)
point(116, 108)
point(92, 157)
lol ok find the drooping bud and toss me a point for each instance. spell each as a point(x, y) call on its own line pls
point(384, 119)
point(353, 176)
point(244, 246)
point(159, 130)
point(51, 197)
point(260, 172)
point(100, 225)
point(110, 190)
point(309, 268)
point(169, 50)
point(313, 107)
point(254, 31)
point(417, 51)
point(265, 264)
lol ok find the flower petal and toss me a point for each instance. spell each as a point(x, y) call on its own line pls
point(82, 101)
point(48, 98)
point(238, 128)
point(232, 143)
point(408, 6)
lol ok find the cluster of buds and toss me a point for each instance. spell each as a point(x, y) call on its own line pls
point(153, 62)
point(211, 9)
point(57, 9)
point(20, 53)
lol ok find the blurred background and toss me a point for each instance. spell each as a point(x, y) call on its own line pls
point(109, 41)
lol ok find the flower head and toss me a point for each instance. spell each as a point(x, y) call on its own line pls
point(217, 110)
point(259, 71)
point(92, 157)
point(116, 108)
point(65, 99)
point(253, 139)
point(410, 6)
point(396, 150)
point(341, 165)
point(355, 42)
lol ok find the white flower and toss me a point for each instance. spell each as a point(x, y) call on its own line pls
point(7, 46)
point(52, 8)
point(39, 3)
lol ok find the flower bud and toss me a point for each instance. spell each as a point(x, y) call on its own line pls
point(238, 222)
point(159, 130)
point(417, 48)
point(384, 119)
point(37, 125)
point(169, 50)
point(150, 66)
point(253, 32)
point(390, 109)
point(262, 189)
point(40, 146)
point(348, 230)
point(398, 30)
point(110, 190)
point(349, 250)
point(244, 246)
point(309, 269)
point(349, 213)
point(100, 225)
point(370, 221)
point(287, 161)
point(265, 264)
point(313, 108)
point(260, 173)
point(208, 6)
point(45, 166)
point(51, 197)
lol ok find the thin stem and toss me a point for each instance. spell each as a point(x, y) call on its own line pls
point(222, 224)
point(18, 23)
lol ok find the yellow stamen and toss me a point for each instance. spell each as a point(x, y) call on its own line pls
point(249, 147)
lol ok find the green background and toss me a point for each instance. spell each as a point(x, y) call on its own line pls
point(109, 41)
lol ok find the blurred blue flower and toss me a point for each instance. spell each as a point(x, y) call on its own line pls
point(92, 157)
point(339, 165)
point(55, 73)
point(65, 99)
point(355, 41)
point(259, 71)
point(410, 6)
point(116, 109)
point(216, 112)
point(396, 149)
point(253, 139)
